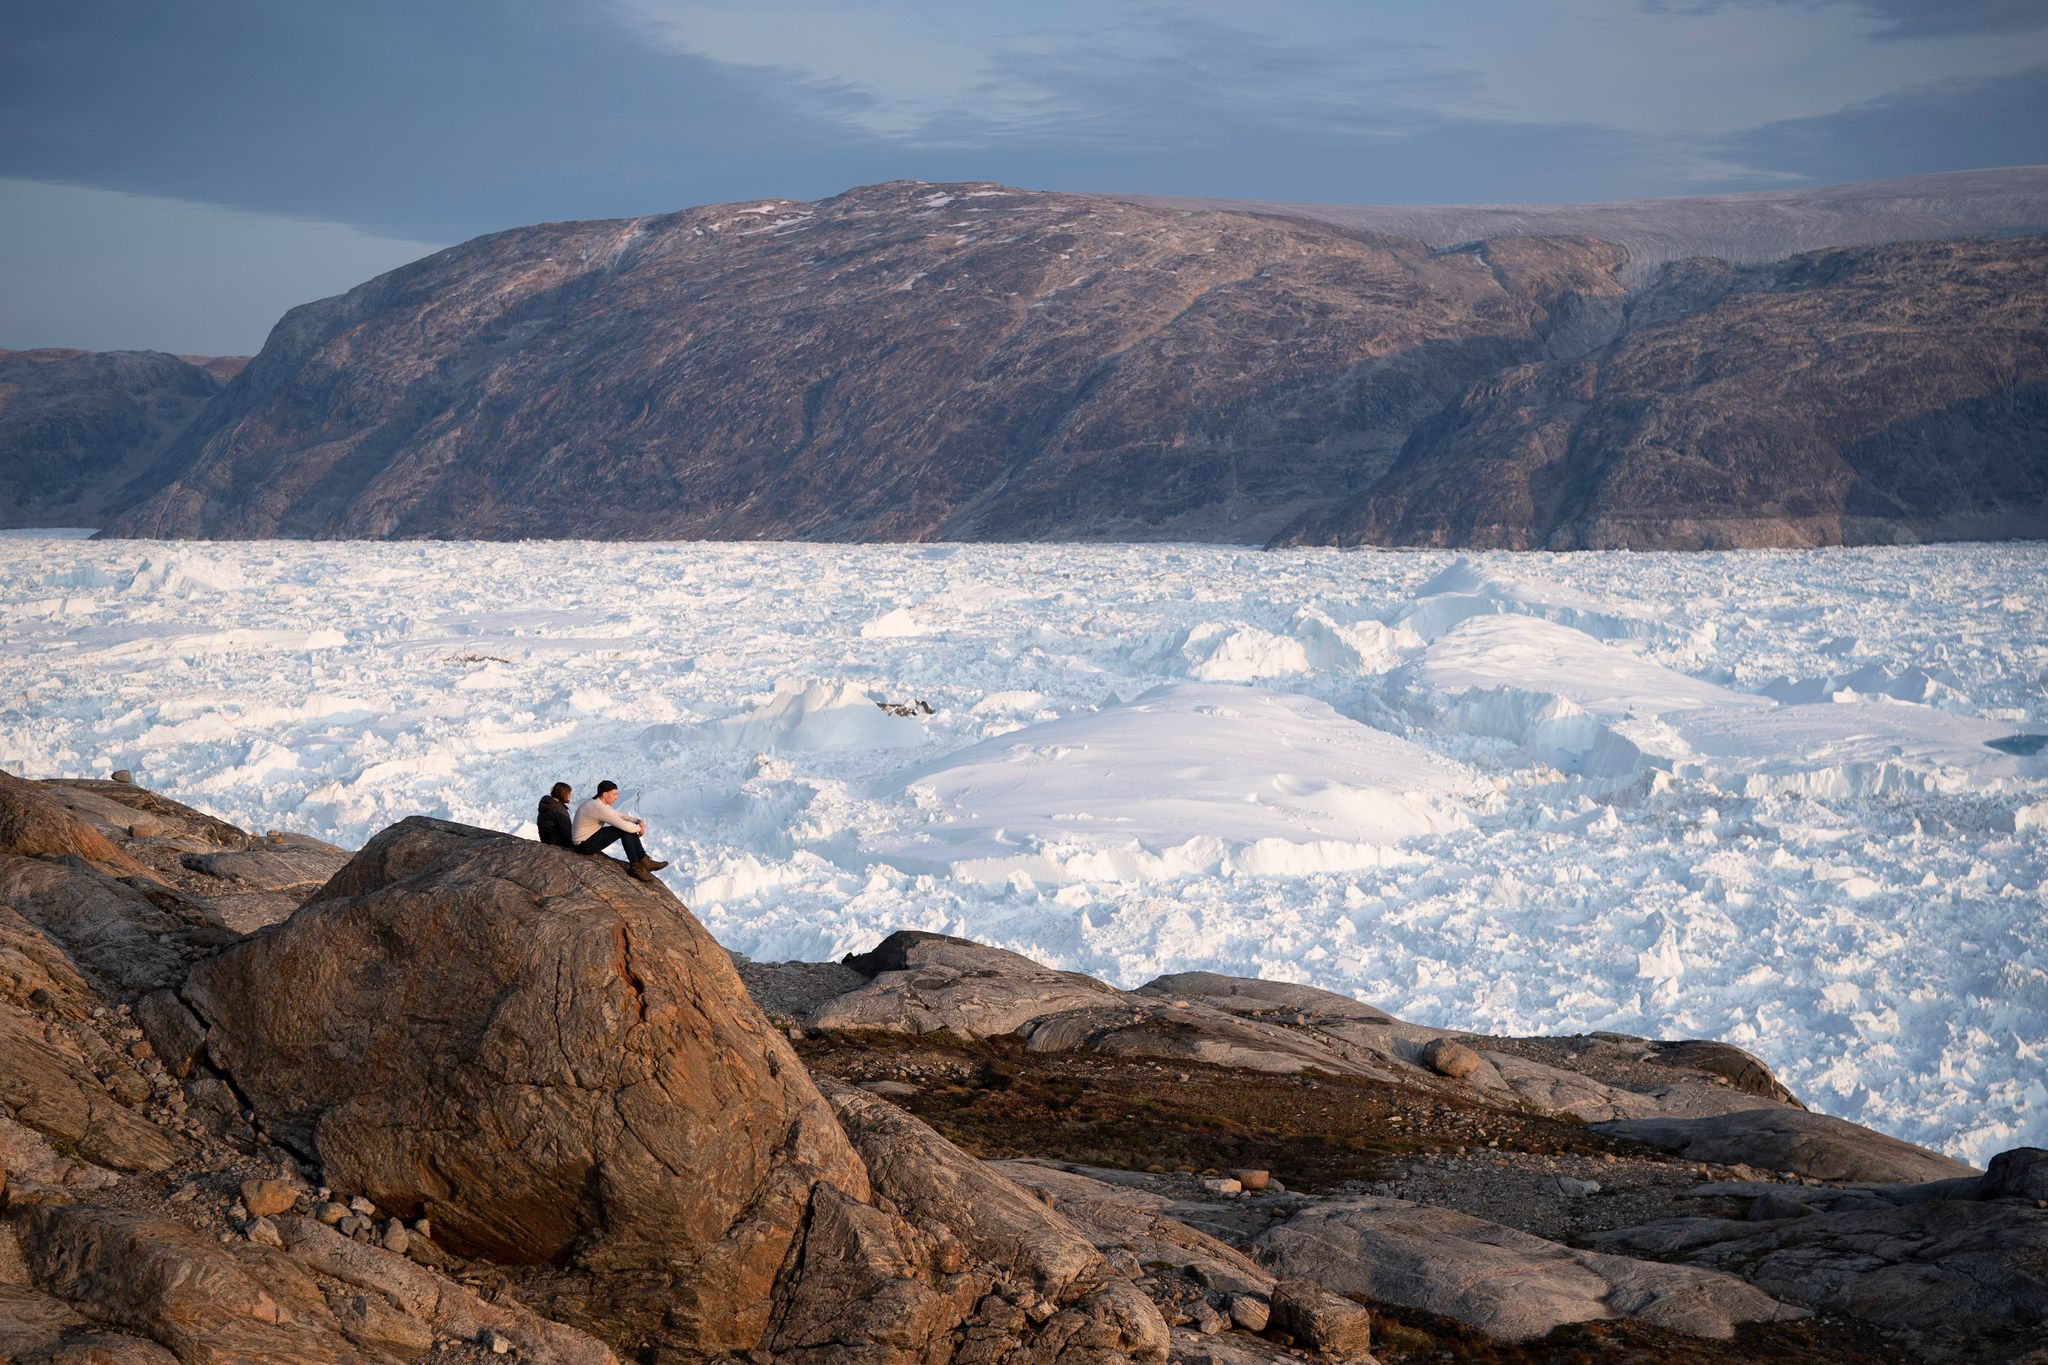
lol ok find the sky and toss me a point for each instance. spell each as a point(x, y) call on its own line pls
point(175, 176)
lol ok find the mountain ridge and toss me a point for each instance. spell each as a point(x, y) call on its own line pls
point(910, 361)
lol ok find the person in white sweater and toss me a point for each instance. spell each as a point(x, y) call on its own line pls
point(598, 826)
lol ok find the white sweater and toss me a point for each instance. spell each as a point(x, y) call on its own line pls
point(593, 813)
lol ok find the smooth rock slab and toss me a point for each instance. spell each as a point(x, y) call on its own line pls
point(1951, 1269)
point(921, 983)
point(1508, 1284)
point(1812, 1145)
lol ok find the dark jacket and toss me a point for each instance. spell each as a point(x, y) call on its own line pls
point(553, 820)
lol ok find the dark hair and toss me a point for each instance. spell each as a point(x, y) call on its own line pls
point(607, 786)
point(560, 791)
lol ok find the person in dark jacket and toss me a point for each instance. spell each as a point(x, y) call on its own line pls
point(553, 817)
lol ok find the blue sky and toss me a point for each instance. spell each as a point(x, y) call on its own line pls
point(175, 175)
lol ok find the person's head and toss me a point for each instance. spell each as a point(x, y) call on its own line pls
point(561, 791)
point(608, 792)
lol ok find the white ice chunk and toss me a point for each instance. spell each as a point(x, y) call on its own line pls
point(1854, 749)
point(1466, 589)
point(1220, 653)
point(1535, 655)
point(1186, 777)
point(802, 717)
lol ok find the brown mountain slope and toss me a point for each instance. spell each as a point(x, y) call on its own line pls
point(904, 361)
point(1851, 396)
point(77, 426)
point(911, 361)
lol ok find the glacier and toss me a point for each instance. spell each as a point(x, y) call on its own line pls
point(1796, 800)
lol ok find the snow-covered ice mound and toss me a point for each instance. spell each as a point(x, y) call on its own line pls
point(802, 718)
point(1466, 589)
point(1187, 777)
point(1856, 749)
point(1535, 655)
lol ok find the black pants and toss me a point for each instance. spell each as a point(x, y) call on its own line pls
point(607, 835)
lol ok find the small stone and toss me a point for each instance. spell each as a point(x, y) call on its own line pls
point(498, 1343)
point(121, 775)
point(275, 836)
point(423, 1228)
point(329, 1212)
point(894, 1090)
point(1208, 1321)
point(1314, 1316)
point(263, 1232)
point(362, 1206)
point(1447, 1058)
point(1221, 1185)
point(1569, 1187)
point(263, 1198)
point(1252, 1180)
point(184, 1193)
point(354, 1225)
point(1249, 1312)
point(396, 1238)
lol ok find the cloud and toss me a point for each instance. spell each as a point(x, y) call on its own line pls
point(430, 123)
point(1937, 18)
point(101, 270)
point(435, 121)
point(1948, 126)
point(1898, 18)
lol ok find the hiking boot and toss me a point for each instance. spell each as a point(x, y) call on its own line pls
point(643, 868)
point(654, 864)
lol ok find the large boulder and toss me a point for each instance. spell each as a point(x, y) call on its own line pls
point(2021, 1173)
point(556, 1065)
point(1814, 1145)
point(551, 1061)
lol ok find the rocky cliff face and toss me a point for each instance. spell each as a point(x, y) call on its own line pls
point(77, 427)
point(910, 361)
point(904, 361)
point(1845, 397)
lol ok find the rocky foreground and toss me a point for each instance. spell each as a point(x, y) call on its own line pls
point(461, 1096)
